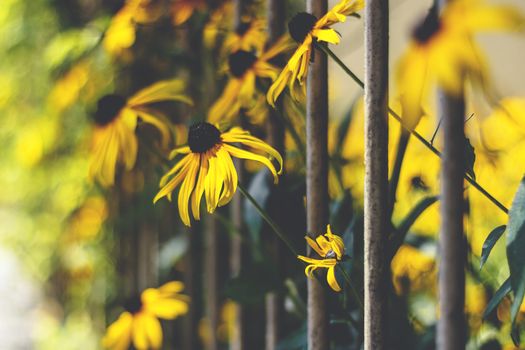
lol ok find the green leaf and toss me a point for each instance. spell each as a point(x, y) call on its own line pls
point(502, 291)
point(296, 340)
point(489, 243)
point(515, 249)
point(470, 158)
point(253, 283)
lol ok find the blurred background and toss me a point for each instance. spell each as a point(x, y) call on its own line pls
point(70, 250)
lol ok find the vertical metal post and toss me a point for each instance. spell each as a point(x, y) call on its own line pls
point(376, 210)
point(317, 177)
point(237, 259)
point(276, 133)
point(451, 333)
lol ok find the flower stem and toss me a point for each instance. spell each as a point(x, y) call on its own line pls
point(417, 135)
point(352, 288)
point(268, 220)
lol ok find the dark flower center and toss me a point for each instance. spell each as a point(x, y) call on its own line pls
point(240, 62)
point(202, 137)
point(428, 27)
point(108, 108)
point(133, 304)
point(300, 25)
point(242, 28)
point(417, 183)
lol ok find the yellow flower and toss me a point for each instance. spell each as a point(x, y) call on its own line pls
point(305, 28)
point(240, 91)
point(248, 36)
point(220, 21)
point(412, 270)
point(331, 249)
point(182, 10)
point(120, 34)
point(208, 168)
point(443, 51)
point(140, 322)
point(114, 140)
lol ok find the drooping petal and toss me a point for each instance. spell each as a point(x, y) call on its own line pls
point(187, 187)
point(332, 281)
point(240, 153)
point(118, 334)
point(166, 90)
point(199, 187)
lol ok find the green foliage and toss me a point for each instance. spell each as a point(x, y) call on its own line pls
point(515, 249)
point(489, 243)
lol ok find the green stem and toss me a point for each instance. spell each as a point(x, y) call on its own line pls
point(352, 289)
point(268, 220)
point(417, 135)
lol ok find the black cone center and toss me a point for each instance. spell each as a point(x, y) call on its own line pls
point(240, 62)
point(242, 28)
point(133, 304)
point(428, 28)
point(202, 137)
point(108, 108)
point(300, 25)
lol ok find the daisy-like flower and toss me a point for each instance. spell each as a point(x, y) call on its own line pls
point(120, 34)
point(207, 168)
point(140, 324)
point(331, 249)
point(182, 10)
point(249, 35)
point(114, 140)
point(240, 91)
point(443, 51)
point(304, 28)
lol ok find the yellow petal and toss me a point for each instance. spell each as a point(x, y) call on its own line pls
point(166, 90)
point(332, 281)
point(187, 188)
point(118, 334)
point(327, 35)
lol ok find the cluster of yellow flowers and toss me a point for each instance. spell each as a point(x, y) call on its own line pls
point(442, 52)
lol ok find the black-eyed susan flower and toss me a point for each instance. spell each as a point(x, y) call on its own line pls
point(120, 34)
point(304, 28)
point(241, 90)
point(140, 324)
point(443, 51)
point(207, 168)
point(114, 140)
point(182, 10)
point(331, 249)
point(250, 35)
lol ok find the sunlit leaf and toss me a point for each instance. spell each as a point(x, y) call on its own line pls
point(502, 291)
point(489, 243)
point(515, 249)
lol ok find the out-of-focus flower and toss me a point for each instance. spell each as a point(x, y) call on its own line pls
point(240, 91)
point(86, 221)
point(443, 51)
point(207, 169)
point(227, 330)
point(114, 139)
point(412, 270)
point(250, 35)
point(220, 21)
point(140, 324)
point(304, 28)
point(120, 34)
point(182, 10)
point(331, 249)
point(66, 90)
